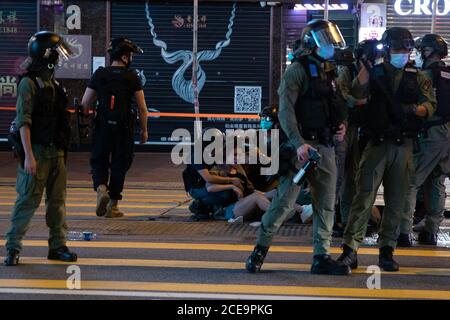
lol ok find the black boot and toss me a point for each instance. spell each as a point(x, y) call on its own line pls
point(386, 259)
point(200, 211)
point(62, 254)
point(12, 258)
point(404, 240)
point(323, 264)
point(256, 259)
point(428, 238)
point(447, 214)
point(348, 257)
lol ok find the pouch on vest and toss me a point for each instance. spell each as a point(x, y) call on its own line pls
point(442, 85)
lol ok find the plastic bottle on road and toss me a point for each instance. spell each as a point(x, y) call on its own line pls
point(81, 236)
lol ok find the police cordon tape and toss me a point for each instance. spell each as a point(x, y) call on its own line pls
point(179, 114)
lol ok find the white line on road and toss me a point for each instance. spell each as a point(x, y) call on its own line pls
point(164, 295)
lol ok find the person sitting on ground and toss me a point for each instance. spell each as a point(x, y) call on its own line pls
point(196, 175)
point(249, 203)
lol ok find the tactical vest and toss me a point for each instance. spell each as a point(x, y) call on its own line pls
point(441, 82)
point(115, 98)
point(315, 110)
point(383, 114)
point(50, 123)
point(354, 114)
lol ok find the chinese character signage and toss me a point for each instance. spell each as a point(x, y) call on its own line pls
point(18, 22)
point(80, 65)
point(179, 21)
point(373, 21)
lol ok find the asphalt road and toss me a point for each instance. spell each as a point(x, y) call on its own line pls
point(155, 252)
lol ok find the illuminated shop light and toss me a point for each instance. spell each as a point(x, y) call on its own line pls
point(307, 6)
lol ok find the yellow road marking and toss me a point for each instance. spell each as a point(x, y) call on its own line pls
point(92, 205)
point(92, 214)
point(217, 265)
point(140, 200)
point(228, 247)
point(93, 196)
point(229, 288)
point(128, 190)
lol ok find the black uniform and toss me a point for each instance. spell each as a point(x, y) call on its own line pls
point(113, 137)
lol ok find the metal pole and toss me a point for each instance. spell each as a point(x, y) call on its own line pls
point(326, 11)
point(433, 17)
point(194, 68)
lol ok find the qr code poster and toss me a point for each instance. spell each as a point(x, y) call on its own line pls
point(247, 99)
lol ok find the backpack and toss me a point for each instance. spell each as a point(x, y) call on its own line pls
point(441, 81)
point(115, 97)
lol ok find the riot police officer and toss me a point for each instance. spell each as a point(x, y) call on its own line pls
point(114, 87)
point(399, 97)
point(44, 133)
point(430, 162)
point(309, 117)
point(366, 49)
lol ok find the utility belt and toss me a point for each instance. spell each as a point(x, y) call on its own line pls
point(322, 135)
point(395, 136)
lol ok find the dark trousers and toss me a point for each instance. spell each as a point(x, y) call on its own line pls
point(111, 157)
point(222, 198)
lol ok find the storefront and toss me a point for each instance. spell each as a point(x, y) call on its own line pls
point(233, 45)
point(18, 20)
point(417, 16)
point(296, 16)
point(233, 54)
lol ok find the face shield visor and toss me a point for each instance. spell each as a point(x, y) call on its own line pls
point(331, 35)
point(398, 44)
point(64, 50)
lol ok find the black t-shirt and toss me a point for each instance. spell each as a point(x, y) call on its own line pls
point(115, 88)
point(125, 77)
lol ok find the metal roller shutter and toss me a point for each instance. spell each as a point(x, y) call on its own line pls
point(244, 62)
point(18, 22)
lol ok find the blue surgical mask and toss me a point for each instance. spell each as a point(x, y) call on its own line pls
point(399, 60)
point(326, 52)
point(266, 124)
point(419, 61)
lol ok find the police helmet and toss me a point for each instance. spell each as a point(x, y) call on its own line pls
point(398, 38)
point(269, 117)
point(47, 46)
point(318, 33)
point(371, 49)
point(434, 41)
point(122, 45)
point(343, 57)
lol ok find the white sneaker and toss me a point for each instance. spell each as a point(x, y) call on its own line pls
point(239, 219)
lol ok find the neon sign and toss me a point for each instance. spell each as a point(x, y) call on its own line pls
point(421, 7)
